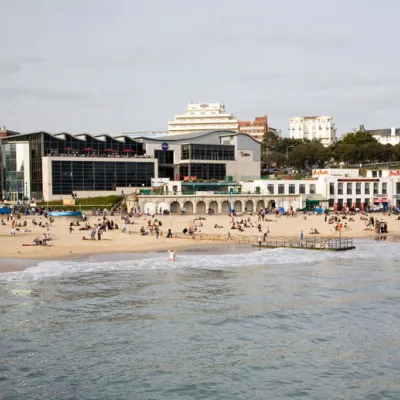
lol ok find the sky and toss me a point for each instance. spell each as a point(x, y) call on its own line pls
point(113, 66)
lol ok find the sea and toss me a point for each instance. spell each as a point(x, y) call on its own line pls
point(219, 323)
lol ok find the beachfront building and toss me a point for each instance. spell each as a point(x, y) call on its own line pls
point(334, 189)
point(313, 128)
point(52, 167)
point(201, 118)
point(256, 129)
point(386, 136)
point(209, 156)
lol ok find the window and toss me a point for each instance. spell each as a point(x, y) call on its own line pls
point(398, 187)
point(340, 188)
point(374, 174)
point(292, 189)
point(203, 171)
point(349, 203)
point(312, 188)
point(281, 189)
point(376, 188)
point(69, 176)
point(384, 187)
point(358, 203)
point(270, 189)
point(358, 188)
point(340, 204)
point(366, 188)
point(349, 188)
point(302, 188)
point(331, 188)
point(208, 152)
point(331, 203)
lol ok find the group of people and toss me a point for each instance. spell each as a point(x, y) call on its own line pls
point(45, 241)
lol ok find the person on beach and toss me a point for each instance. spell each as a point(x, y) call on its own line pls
point(259, 242)
point(301, 235)
point(172, 255)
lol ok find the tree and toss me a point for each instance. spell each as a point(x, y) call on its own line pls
point(309, 155)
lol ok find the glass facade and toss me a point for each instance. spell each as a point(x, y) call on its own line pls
point(15, 171)
point(43, 144)
point(203, 171)
point(208, 152)
point(165, 163)
point(70, 176)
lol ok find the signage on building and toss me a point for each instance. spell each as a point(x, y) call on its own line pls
point(165, 146)
point(396, 196)
point(244, 154)
point(177, 177)
point(320, 172)
point(204, 105)
point(189, 178)
point(394, 172)
point(155, 182)
point(205, 193)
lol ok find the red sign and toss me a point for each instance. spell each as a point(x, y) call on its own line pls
point(186, 178)
point(394, 173)
point(204, 105)
point(177, 177)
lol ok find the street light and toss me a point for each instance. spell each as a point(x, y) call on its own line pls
point(287, 152)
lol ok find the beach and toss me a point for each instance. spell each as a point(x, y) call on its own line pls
point(66, 244)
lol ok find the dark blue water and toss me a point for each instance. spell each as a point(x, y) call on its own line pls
point(279, 324)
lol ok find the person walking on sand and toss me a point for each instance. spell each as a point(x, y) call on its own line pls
point(301, 235)
point(259, 242)
point(172, 255)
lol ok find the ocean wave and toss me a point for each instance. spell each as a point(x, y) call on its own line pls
point(365, 250)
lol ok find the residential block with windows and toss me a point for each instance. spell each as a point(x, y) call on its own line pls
point(201, 118)
point(313, 128)
point(256, 129)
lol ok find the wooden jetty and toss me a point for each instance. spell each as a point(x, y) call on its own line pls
point(320, 243)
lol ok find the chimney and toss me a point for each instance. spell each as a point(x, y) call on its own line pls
point(393, 131)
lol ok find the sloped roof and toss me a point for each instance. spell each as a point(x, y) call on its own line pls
point(383, 132)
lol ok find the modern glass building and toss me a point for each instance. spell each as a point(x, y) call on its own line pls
point(209, 156)
point(38, 163)
point(44, 166)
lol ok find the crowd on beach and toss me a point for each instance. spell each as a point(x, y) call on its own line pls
point(102, 224)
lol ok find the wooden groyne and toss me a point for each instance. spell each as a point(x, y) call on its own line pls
point(315, 243)
point(321, 243)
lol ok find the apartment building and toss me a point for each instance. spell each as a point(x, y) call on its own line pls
point(313, 128)
point(203, 117)
point(256, 129)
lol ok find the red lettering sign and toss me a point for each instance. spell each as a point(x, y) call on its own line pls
point(394, 173)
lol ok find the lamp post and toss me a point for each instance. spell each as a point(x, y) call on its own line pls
point(287, 151)
point(276, 155)
point(26, 192)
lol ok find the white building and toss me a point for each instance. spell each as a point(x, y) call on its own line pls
point(313, 128)
point(386, 136)
point(203, 117)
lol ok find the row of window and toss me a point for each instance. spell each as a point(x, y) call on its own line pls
point(208, 152)
point(203, 171)
point(69, 176)
point(376, 188)
point(291, 188)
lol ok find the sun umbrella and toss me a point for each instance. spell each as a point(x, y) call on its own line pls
point(127, 151)
point(68, 148)
point(109, 150)
point(87, 149)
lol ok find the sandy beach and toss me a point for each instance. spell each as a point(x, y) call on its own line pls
point(70, 245)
